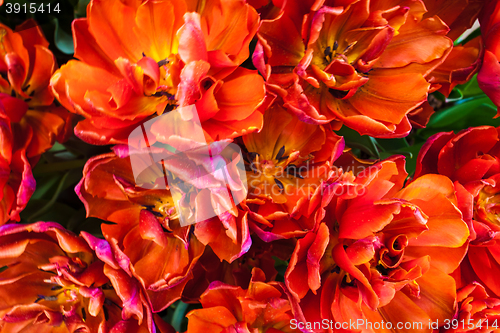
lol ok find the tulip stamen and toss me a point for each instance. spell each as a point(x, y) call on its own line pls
point(279, 184)
point(46, 298)
point(328, 53)
point(109, 302)
point(291, 169)
point(163, 62)
point(281, 152)
point(163, 93)
point(335, 46)
point(349, 47)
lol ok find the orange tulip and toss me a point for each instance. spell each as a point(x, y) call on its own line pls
point(357, 62)
point(471, 159)
point(54, 281)
point(145, 231)
point(477, 312)
point(383, 254)
point(150, 67)
point(30, 121)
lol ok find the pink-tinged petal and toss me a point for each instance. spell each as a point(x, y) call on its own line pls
point(189, 90)
point(128, 291)
point(303, 272)
point(151, 229)
point(102, 249)
point(192, 45)
point(96, 297)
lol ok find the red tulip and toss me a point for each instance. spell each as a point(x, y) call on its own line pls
point(383, 254)
point(145, 231)
point(54, 281)
point(263, 307)
point(471, 159)
point(489, 74)
point(29, 120)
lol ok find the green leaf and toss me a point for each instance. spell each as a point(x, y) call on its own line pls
point(57, 167)
point(475, 111)
point(455, 95)
point(63, 40)
point(463, 40)
point(44, 185)
point(58, 212)
point(463, 109)
point(363, 142)
point(392, 144)
point(45, 208)
point(179, 315)
point(470, 89)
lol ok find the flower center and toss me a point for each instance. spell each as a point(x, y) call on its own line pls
point(488, 205)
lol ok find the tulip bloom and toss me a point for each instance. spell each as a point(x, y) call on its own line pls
point(146, 231)
point(29, 121)
point(471, 159)
point(477, 311)
point(489, 74)
point(383, 254)
point(133, 66)
point(359, 63)
point(286, 164)
point(263, 307)
point(55, 281)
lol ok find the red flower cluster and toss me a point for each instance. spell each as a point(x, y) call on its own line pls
point(367, 248)
point(30, 121)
